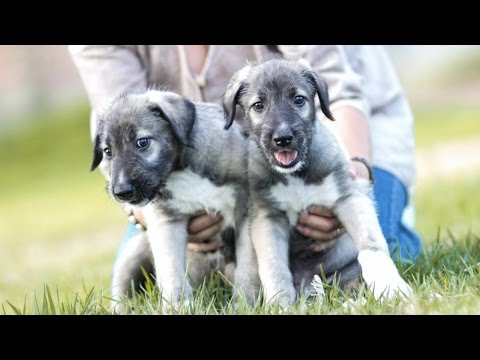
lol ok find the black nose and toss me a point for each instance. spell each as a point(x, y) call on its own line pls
point(123, 191)
point(283, 140)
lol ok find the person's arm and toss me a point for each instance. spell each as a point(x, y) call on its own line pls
point(108, 71)
point(353, 129)
point(350, 110)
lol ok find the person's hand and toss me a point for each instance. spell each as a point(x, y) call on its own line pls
point(320, 224)
point(201, 228)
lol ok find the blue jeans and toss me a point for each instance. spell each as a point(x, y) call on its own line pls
point(130, 233)
point(391, 199)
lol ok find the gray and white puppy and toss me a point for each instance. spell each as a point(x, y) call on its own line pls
point(296, 161)
point(172, 157)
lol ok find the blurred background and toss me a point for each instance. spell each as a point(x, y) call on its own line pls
point(59, 226)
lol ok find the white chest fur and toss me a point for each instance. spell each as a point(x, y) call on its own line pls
point(192, 192)
point(297, 196)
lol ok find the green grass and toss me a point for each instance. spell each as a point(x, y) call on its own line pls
point(46, 186)
point(59, 230)
point(57, 223)
point(436, 125)
point(449, 204)
point(446, 280)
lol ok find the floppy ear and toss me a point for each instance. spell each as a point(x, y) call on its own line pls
point(230, 102)
point(97, 151)
point(322, 91)
point(179, 112)
point(235, 89)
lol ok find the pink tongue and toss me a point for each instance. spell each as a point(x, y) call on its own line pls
point(285, 157)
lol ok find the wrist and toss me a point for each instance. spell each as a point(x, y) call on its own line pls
point(367, 165)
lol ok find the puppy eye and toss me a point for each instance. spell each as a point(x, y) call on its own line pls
point(258, 106)
point(108, 152)
point(142, 143)
point(299, 100)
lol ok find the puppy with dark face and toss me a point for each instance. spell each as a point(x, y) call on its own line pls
point(294, 162)
point(172, 158)
point(142, 144)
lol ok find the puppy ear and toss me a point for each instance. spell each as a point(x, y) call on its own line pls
point(322, 91)
point(230, 104)
point(97, 151)
point(235, 89)
point(176, 110)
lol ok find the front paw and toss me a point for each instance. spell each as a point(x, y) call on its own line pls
point(283, 295)
point(176, 298)
point(246, 283)
point(249, 291)
point(116, 307)
point(381, 276)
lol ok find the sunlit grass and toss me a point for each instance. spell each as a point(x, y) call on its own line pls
point(57, 223)
point(435, 125)
point(46, 188)
point(446, 280)
point(449, 204)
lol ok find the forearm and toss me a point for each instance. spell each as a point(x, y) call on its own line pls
point(352, 128)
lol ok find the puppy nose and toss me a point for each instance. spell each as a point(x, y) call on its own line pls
point(123, 191)
point(283, 141)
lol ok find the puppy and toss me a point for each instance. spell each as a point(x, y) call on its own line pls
point(294, 162)
point(172, 158)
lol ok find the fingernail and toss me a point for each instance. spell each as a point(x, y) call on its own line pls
point(302, 229)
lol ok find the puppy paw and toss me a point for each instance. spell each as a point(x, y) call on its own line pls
point(169, 306)
point(246, 285)
point(176, 299)
point(116, 307)
point(381, 276)
point(284, 296)
point(247, 292)
point(391, 289)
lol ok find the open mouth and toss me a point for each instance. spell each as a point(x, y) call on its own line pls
point(286, 158)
